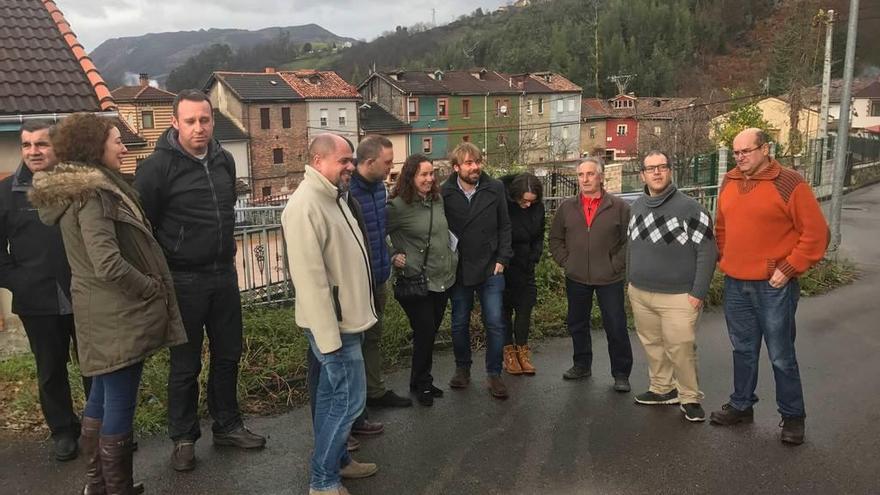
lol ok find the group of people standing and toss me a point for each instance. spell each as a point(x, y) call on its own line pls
point(125, 270)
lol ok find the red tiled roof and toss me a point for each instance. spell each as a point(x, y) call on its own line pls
point(43, 68)
point(142, 93)
point(319, 84)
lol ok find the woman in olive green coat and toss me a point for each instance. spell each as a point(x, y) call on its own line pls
point(410, 219)
point(123, 295)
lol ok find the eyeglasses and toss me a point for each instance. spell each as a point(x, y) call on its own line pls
point(741, 153)
point(663, 167)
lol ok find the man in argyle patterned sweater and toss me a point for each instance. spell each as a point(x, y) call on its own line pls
point(671, 260)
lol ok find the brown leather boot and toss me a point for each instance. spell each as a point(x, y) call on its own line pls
point(511, 363)
point(524, 354)
point(88, 441)
point(461, 378)
point(497, 387)
point(117, 466)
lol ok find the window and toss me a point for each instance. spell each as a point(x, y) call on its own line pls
point(571, 104)
point(623, 104)
point(502, 108)
point(285, 117)
point(412, 108)
point(147, 120)
point(325, 114)
point(466, 108)
point(267, 190)
point(565, 132)
point(264, 118)
point(560, 106)
point(426, 145)
point(658, 130)
point(502, 140)
point(442, 105)
point(466, 138)
point(621, 129)
point(592, 132)
point(277, 156)
point(875, 108)
point(540, 106)
point(343, 115)
point(535, 137)
point(529, 106)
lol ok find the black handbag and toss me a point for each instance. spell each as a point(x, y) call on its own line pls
point(413, 286)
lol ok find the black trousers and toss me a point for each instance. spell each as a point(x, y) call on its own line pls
point(520, 296)
point(50, 337)
point(580, 307)
point(209, 304)
point(425, 315)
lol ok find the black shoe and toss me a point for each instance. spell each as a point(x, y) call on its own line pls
point(66, 447)
point(436, 392)
point(577, 373)
point(240, 437)
point(792, 430)
point(389, 399)
point(693, 412)
point(729, 415)
point(621, 384)
point(183, 458)
point(425, 398)
point(651, 398)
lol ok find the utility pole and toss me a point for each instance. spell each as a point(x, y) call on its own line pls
point(596, 50)
point(433, 17)
point(842, 142)
point(826, 87)
point(622, 81)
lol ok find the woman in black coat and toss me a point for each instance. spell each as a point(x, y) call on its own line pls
point(526, 209)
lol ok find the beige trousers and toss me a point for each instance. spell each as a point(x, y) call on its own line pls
point(667, 325)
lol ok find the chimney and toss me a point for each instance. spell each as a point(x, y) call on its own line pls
point(144, 79)
point(270, 70)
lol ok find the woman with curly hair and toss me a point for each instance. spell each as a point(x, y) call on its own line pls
point(420, 241)
point(123, 295)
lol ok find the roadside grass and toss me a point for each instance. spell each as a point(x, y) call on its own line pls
point(273, 364)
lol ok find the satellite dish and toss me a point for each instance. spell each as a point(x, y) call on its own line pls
point(503, 109)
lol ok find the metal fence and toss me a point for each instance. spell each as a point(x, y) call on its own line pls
point(261, 257)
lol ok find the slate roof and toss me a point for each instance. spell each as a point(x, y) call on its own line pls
point(375, 119)
point(477, 81)
point(646, 108)
point(465, 82)
point(870, 91)
point(129, 137)
point(43, 67)
point(315, 84)
point(255, 86)
point(225, 129)
point(131, 94)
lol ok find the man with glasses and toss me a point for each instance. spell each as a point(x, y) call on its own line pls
point(671, 260)
point(769, 230)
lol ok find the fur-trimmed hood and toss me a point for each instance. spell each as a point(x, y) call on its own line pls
point(71, 183)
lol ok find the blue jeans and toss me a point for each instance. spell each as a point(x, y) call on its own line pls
point(611, 307)
point(113, 399)
point(491, 293)
point(340, 398)
point(753, 310)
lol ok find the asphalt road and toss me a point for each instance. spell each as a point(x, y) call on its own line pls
point(558, 437)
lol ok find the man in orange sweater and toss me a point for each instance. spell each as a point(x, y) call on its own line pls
point(769, 230)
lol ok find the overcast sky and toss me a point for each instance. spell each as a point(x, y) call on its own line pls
point(95, 21)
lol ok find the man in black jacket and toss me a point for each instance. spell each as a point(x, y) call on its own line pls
point(476, 210)
point(187, 188)
point(33, 266)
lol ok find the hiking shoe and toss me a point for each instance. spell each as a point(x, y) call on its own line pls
point(461, 378)
point(355, 470)
point(352, 444)
point(389, 399)
point(653, 399)
point(621, 384)
point(576, 373)
point(65, 447)
point(183, 457)
point(425, 398)
point(729, 415)
point(240, 437)
point(497, 387)
point(367, 427)
point(693, 411)
point(792, 430)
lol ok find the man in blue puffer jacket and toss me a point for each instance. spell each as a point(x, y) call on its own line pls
point(375, 157)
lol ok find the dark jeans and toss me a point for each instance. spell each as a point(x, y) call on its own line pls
point(372, 349)
point(209, 304)
point(491, 294)
point(50, 338)
point(425, 315)
point(754, 309)
point(520, 296)
point(113, 399)
point(580, 307)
